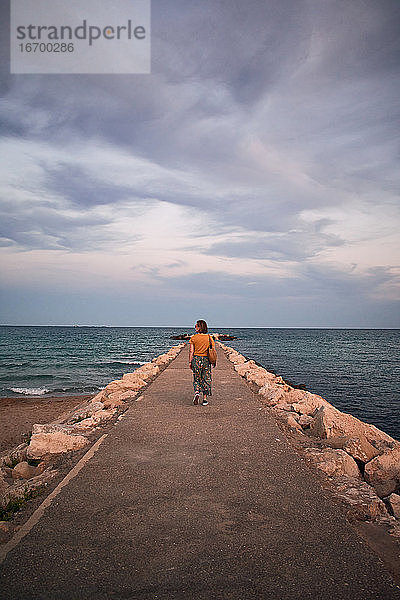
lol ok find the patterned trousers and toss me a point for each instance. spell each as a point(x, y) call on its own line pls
point(201, 368)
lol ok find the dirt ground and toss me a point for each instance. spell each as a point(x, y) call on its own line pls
point(17, 415)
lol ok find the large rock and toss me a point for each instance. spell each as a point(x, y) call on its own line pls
point(364, 503)
point(148, 370)
point(294, 396)
point(360, 449)
point(23, 470)
point(271, 394)
point(162, 360)
point(18, 454)
point(334, 463)
point(96, 419)
point(305, 421)
point(237, 358)
point(243, 368)
point(129, 382)
point(293, 424)
point(115, 402)
point(53, 439)
point(308, 404)
point(260, 376)
point(85, 411)
point(128, 395)
point(20, 487)
point(330, 422)
point(134, 380)
point(383, 472)
point(394, 503)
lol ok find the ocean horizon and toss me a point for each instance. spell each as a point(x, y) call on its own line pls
point(355, 369)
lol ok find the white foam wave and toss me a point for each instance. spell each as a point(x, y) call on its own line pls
point(30, 391)
point(132, 362)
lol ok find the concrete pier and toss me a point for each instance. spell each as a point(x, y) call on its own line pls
point(190, 502)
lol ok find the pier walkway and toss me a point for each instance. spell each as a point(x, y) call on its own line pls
point(188, 502)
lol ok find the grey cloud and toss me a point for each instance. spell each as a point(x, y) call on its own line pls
point(79, 189)
point(289, 246)
point(55, 226)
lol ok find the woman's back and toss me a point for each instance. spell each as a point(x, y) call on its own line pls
point(201, 343)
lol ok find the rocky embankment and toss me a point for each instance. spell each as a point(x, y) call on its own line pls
point(28, 468)
point(361, 462)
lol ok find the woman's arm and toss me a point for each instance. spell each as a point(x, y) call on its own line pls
point(191, 353)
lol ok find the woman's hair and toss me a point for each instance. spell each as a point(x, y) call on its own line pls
point(202, 326)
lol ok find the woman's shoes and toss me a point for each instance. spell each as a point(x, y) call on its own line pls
point(196, 400)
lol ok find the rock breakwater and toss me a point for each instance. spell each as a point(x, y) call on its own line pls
point(361, 462)
point(32, 465)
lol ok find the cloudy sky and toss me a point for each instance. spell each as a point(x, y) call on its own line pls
point(252, 179)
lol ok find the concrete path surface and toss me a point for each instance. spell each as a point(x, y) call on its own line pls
point(191, 502)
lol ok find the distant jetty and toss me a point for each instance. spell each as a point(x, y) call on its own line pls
point(222, 337)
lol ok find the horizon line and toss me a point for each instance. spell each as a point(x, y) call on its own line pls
point(216, 327)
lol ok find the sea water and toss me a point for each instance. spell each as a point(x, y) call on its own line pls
point(356, 370)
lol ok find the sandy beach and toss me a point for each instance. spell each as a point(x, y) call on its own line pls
point(17, 415)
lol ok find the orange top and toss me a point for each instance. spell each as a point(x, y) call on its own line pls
point(201, 343)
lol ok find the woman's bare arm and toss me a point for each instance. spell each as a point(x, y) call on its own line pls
point(191, 353)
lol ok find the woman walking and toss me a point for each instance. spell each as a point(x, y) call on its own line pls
point(199, 363)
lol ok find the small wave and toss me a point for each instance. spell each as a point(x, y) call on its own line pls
point(25, 376)
point(116, 363)
point(89, 389)
point(30, 391)
point(131, 362)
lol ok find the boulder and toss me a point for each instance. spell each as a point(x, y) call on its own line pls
point(85, 425)
point(129, 382)
point(271, 394)
point(294, 396)
point(259, 376)
point(85, 411)
point(53, 439)
point(305, 421)
point(381, 440)
point(293, 424)
point(163, 359)
point(103, 415)
point(383, 472)
point(334, 463)
point(330, 422)
point(99, 397)
point(393, 502)
point(283, 405)
point(360, 449)
point(236, 358)
point(364, 503)
point(23, 471)
point(128, 395)
point(112, 402)
point(18, 454)
point(148, 370)
point(243, 368)
point(20, 487)
point(134, 380)
point(308, 404)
